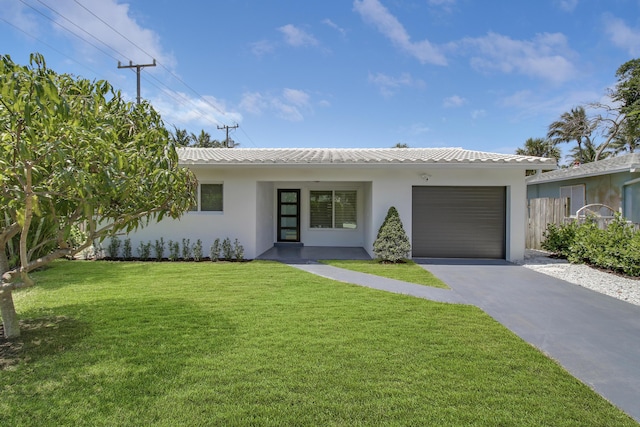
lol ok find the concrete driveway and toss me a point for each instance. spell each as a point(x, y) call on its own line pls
point(594, 336)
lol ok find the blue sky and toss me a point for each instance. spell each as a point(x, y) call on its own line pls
point(482, 75)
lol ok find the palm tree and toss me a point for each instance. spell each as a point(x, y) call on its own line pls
point(180, 137)
point(589, 153)
point(628, 138)
point(204, 140)
point(573, 125)
point(539, 147)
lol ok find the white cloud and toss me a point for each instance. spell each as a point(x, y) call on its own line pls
point(183, 111)
point(477, 114)
point(622, 35)
point(454, 101)
point(335, 26)
point(261, 47)
point(373, 12)
point(567, 5)
point(297, 37)
point(388, 85)
point(124, 36)
point(296, 97)
point(290, 104)
point(528, 104)
point(546, 56)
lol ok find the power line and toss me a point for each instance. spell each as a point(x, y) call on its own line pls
point(151, 56)
point(169, 92)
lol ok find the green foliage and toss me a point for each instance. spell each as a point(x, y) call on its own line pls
point(174, 250)
point(127, 252)
point(74, 152)
point(227, 249)
point(186, 249)
point(197, 250)
point(615, 248)
point(214, 251)
point(392, 243)
point(113, 249)
point(159, 249)
point(559, 238)
point(144, 250)
point(238, 250)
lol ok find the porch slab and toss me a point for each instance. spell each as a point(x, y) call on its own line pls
point(306, 254)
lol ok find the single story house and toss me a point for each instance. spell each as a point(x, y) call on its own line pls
point(614, 182)
point(453, 203)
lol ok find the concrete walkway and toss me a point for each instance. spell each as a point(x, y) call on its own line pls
point(595, 337)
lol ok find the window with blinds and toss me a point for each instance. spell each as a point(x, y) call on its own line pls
point(333, 209)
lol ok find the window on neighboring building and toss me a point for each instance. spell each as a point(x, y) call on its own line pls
point(333, 209)
point(576, 195)
point(210, 198)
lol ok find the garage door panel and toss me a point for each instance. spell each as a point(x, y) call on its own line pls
point(459, 222)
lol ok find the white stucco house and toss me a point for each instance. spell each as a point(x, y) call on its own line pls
point(454, 203)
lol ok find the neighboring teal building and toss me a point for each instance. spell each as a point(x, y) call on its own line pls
point(614, 182)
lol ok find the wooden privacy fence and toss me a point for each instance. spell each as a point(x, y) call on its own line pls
point(540, 213)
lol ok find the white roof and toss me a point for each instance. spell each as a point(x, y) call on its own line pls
point(354, 156)
point(626, 163)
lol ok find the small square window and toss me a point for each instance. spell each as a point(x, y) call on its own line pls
point(211, 197)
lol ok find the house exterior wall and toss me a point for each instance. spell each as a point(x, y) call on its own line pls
point(250, 193)
point(606, 189)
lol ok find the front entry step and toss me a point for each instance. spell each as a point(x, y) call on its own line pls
point(288, 245)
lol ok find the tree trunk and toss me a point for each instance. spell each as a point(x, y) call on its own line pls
point(9, 316)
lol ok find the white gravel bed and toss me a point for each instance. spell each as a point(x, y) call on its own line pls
point(609, 284)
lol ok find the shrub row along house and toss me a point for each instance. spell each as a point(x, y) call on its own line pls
point(452, 202)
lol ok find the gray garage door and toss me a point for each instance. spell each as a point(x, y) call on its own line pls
point(459, 222)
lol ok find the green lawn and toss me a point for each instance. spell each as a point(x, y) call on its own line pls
point(260, 343)
point(407, 271)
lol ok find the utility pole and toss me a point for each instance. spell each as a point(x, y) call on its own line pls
point(226, 141)
point(138, 67)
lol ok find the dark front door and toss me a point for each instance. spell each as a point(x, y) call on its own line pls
point(288, 215)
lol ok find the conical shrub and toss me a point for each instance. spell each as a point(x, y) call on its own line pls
point(392, 243)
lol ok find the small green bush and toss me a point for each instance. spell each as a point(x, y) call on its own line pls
point(113, 250)
point(174, 250)
point(144, 250)
point(214, 251)
point(392, 243)
point(238, 250)
point(615, 248)
point(559, 238)
point(197, 250)
point(159, 249)
point(127, 252)
point(227, 249)
point(186, 249)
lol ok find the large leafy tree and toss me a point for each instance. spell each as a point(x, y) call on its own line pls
point(628, 139)
point(74, 153)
